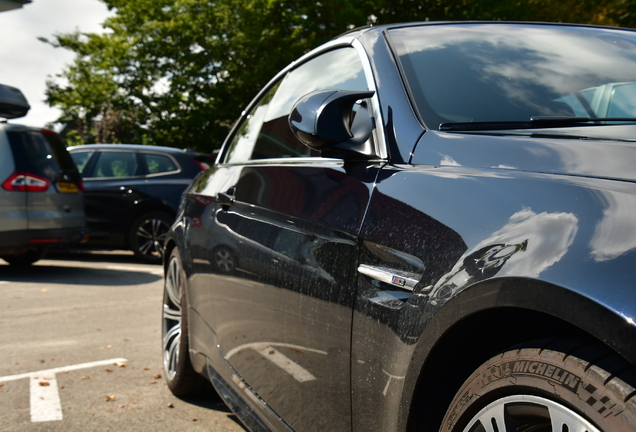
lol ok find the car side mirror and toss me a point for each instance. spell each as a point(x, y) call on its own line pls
point(335, 122)
point(13, 104)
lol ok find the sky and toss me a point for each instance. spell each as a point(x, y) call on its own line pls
point(26, 63)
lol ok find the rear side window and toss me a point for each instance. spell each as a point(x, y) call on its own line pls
point(116, 164)
point(159, 164)
point(40, 153)
point(81, 159)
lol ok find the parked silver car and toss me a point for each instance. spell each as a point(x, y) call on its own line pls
point(41, 192)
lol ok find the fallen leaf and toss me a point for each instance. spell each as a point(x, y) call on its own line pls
point(42, 360)
point(109, 346)
point(156, 376)
point(153, 382)
point(44, 290)
point(109, 398)
point(44, 383)
point(85, 377)
point(195, 419)
point(170, 405)
point(108, 370)
point(272, 351)
point(126, 340)
point(146, 368)
point(121, 406)
point(121, 364)
point(1, 385)
point(61, 387)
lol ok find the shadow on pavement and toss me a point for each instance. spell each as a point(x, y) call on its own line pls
point(91, 255)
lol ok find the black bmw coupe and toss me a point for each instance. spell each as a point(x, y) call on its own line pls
point(423, 227)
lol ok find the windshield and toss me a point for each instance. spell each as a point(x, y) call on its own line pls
point(488, 72)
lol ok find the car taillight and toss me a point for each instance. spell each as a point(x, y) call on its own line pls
point(24, 182)
point(201, 165)
point(80, 185)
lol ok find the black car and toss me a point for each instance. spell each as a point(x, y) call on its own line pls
point(133, 192)
point(422, 227)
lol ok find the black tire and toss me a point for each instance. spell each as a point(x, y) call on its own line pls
point(26, 258)
point(581, 387)
point(181, 377)
point(148, 234)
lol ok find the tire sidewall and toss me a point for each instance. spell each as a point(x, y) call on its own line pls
point(545, 373)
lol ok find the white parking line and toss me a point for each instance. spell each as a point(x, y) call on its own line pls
point(45, 398)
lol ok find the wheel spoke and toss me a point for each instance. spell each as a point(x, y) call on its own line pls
point(171, 343)
point(171, 314)
point(142, 232)
point(146, 247)
point(542, 411)
point(173, 282)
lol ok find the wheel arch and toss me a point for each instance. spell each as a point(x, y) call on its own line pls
point(489, 318)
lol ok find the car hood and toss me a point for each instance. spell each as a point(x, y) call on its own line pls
point(605, 152)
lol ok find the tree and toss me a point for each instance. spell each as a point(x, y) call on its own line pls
point(179, 72)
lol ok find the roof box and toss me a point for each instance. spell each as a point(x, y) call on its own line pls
point(13, 104)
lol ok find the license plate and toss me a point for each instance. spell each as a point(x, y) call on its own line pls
point(67, 187)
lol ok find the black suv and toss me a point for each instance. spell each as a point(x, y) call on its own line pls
point(41, 199)
point(133, 192)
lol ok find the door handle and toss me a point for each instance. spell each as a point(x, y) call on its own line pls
point(391, 277)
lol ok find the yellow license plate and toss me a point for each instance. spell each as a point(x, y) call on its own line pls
point(67, 187)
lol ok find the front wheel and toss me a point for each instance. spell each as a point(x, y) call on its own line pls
point(181, 377)
point(561, 387)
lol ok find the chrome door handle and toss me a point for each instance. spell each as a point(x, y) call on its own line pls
point(402, 280)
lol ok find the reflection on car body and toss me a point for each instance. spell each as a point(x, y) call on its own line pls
point(422, 227)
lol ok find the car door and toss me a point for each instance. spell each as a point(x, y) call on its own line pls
point(283, 311)
point(113, 183)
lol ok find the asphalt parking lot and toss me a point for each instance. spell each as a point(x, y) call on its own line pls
point(80, 350)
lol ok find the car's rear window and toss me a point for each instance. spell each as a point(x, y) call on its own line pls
point(40, 153)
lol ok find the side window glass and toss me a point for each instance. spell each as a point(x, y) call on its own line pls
point(158, 164)
point(242, 145)
point(116, 164)
point(80, 159)
point(266, 133)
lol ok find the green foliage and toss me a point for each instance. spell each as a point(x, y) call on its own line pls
point(179, 72)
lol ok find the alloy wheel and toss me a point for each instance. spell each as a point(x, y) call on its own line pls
point(150, 237)
point(528, 413)
point(172, 317)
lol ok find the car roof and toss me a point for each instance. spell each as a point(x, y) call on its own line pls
point(136, 147)
point(359, 31)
